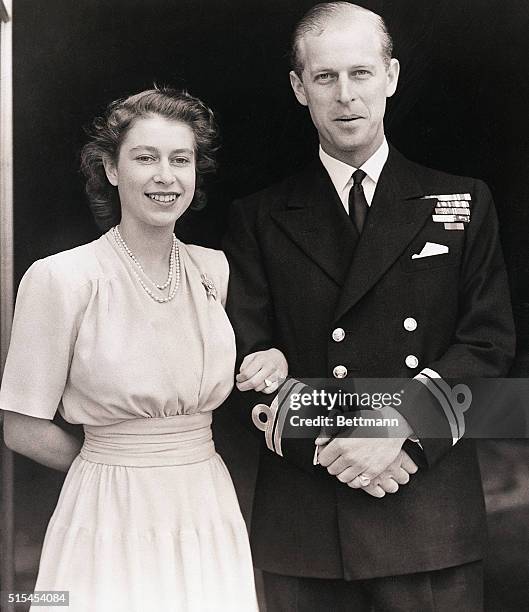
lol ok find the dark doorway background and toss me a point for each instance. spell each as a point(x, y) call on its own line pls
point(461, 106)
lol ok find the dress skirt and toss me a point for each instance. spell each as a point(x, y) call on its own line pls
point(148, 521)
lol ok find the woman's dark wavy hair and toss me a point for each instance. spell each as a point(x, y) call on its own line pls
point(108, 132)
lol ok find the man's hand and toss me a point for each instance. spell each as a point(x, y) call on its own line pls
point(262, 371)
point(367, 450)
point(397, 473)
point(358, 460)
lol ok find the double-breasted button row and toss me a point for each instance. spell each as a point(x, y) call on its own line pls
point(411, 361)
point(340, 371)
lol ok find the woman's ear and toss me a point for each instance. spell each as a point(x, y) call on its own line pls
point(110, 170)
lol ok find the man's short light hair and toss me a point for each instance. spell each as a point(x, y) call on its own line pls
point(315, 20)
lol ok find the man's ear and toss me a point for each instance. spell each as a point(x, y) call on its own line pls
point(297, 86)
point(393, 77)
point(110, 170)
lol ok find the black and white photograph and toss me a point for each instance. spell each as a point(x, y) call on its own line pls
point(264, 306)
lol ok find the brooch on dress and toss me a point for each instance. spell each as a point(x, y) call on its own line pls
point(211, 290)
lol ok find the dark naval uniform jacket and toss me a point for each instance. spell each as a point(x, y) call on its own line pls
point(343, 306)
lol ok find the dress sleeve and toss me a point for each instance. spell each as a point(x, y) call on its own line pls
point(42, 340)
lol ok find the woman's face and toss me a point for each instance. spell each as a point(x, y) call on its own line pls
point(155, 171)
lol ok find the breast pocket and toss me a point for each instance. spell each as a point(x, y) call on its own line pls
point(430, 255)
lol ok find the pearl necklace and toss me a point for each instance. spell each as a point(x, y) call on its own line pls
point(123, 244)
point(174, 268)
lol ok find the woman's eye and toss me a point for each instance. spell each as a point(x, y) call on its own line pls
point(145, 158)
point(180, 161)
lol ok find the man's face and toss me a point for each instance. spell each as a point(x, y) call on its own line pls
point(345, 83)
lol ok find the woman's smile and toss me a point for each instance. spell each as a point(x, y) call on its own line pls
point(163, 198)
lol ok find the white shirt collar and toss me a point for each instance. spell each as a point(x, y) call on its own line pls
point(341, 172)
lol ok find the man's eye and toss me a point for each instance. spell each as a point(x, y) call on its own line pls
point(361, 73)
point(324, 76)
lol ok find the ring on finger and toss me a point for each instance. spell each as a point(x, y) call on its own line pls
point(268, 382)
point(364, 480)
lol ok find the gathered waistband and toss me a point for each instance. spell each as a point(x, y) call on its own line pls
point(151, 442)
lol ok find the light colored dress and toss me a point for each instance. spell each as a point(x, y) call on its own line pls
point(147, 520)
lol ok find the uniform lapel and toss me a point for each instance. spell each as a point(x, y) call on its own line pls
point(315, 219)
point(395, 217)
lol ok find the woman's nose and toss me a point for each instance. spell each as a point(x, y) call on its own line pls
point(164, 175)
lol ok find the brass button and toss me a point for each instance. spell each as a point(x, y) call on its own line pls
point(410, 324)
point(412, 361)
point(338, 334)
point(339, 371)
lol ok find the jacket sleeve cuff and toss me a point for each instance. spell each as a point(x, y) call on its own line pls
point(425, 409)
point(290, 438)
point(447, 398)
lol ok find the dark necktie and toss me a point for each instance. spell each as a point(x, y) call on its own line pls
point(357, 201)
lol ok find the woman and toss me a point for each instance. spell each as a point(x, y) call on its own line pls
point(129, 337)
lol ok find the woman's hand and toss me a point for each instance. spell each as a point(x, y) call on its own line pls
point(262, 371)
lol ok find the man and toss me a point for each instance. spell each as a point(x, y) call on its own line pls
point(394, 271)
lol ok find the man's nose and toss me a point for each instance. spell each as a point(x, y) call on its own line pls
point(346, 89)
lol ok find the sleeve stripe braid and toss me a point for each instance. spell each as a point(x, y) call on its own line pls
point(281, 416)
point(447, 399)
point(276, 415)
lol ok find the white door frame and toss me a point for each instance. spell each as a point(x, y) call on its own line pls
point(7, 526)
